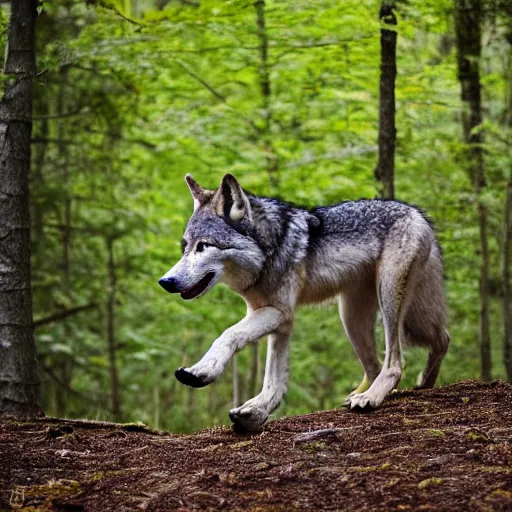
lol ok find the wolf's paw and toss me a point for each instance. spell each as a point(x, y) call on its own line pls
point(248, 418)
point(185, 376)
point(348, 400)
point(362, 402)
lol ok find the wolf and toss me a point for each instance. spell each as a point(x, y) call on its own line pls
point(370, 255)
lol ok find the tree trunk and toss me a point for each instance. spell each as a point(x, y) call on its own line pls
point(111, 336)
point(265, 91)
point(64, 361)
point(385, 170)
point(507, 295)
point(38, 180)
point(507, 111)
point(272, 162)
point(468, 17)
point(507, 292)
point(19, 381)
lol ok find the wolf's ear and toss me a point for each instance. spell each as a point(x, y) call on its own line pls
point(198, 193)
point(231, 201)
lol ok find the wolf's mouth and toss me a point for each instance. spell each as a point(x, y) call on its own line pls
point(198, 288)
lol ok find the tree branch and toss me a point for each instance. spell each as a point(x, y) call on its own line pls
point(61, 315)
point(216, 94)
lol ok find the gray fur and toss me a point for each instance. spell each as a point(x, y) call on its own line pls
point(372, 254)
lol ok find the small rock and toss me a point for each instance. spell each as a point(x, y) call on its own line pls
point(260, 466)
point(437, 461)
point(228, 478)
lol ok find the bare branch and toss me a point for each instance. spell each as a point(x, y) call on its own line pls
point(201, 81)
point(61, 315)
point(216, 94)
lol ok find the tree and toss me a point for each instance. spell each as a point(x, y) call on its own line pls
point(385, 170)
point(19, 381)
point(111, 329)
point(507, 225)
point(468, 21)
point(507, 292)
point(147, 95)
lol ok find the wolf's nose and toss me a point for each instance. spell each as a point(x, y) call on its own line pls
point(168, 284)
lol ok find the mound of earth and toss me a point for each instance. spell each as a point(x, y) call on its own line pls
point(448, 448)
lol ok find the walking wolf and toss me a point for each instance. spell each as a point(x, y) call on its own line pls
point(371, 254)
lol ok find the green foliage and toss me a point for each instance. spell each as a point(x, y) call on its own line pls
point(135, 96)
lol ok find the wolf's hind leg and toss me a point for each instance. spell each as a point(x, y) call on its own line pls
point(395, 286)
point(358, 309)
point(426, 318)
point(427, 378)
point(253, 414)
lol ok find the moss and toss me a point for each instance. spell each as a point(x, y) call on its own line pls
point(43, 494)
point(382, 467)
point(429, 482)
point(314, 447)
point(134, 424)
point(242, 444)
point(498, 495)
point(138, 426)
point(496, 469)
point(54, 489)
point(436, 432)
point(473, 435)
point(118, 472)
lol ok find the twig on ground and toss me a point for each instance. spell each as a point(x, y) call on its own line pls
point(317, 434)
point(93, 424)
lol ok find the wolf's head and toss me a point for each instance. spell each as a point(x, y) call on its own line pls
point(218, 243)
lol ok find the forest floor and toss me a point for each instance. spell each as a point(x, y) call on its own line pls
point(448, 448)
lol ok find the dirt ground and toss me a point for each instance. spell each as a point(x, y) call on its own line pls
point(443, 449)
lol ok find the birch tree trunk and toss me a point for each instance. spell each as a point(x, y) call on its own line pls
point(468, 19)
point(19, 381)
point(385, 170)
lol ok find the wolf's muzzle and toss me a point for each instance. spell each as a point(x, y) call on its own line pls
point(169, 284)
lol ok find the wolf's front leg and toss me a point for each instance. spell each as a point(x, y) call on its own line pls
point(253, 414)
point(256, 324)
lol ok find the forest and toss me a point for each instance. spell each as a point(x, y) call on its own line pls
point(299, 101)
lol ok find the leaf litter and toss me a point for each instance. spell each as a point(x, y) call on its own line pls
point(447, 448)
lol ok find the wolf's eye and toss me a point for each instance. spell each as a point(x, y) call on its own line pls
point(201, 246)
